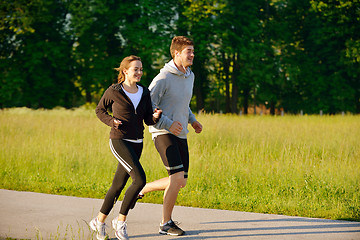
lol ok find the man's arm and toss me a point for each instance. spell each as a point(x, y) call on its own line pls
point(194, 123)
point(157, 90)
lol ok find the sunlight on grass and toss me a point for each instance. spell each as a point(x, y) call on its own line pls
point(295, 165)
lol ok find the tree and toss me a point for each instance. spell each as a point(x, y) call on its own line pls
point(36, 64)
point(315, 56)
point(106, 31)
point(290, 54)
point(342, 19)
point(240, 49)
point(197, 19)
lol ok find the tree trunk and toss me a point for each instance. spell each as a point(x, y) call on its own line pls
point(272, 108)
point(226, 64)
point(200, 79)
point(246, 95)
point(88, 96)
point(235, 87)
point(357, 101)
point(199, 98)
point(254, 101)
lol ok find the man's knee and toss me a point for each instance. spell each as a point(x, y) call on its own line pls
point(178, 179)
point(183, 184)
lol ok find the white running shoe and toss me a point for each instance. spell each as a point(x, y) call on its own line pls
point(120, 229)
point(99, 228)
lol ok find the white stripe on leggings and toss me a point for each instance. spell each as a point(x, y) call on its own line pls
point(127, 167)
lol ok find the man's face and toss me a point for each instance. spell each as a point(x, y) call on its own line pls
point(187, 56)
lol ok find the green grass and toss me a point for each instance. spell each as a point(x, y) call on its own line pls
point(294, 165)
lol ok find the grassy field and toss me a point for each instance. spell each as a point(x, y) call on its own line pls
point(294, 165)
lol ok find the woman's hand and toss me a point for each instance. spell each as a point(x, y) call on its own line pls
point(117, 123)
point(157, 113)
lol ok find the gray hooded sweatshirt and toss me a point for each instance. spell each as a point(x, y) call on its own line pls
point(171, 91)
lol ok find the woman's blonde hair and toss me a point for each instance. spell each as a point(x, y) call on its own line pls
point(125, 63)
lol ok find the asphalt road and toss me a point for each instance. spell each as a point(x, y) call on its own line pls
point(28, 215)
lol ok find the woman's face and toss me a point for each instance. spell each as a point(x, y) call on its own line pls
point(134, 72)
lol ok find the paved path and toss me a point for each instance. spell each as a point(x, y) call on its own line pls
point(27, 215)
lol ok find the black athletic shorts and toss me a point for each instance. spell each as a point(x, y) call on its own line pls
point(174, 153)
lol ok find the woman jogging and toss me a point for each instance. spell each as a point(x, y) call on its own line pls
point(131, 105)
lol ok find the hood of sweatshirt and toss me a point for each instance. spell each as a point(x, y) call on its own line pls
point(171, 67)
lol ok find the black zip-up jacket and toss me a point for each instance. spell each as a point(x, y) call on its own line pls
point(132, 126)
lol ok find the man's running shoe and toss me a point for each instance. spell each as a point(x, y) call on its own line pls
point(139, 196)
point(170, 228)
point(99, 228)
point(120, 229)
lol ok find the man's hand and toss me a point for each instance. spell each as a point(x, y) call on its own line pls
point(197, 126)
point(176, 128)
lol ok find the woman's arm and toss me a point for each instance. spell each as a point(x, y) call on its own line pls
point(102, 107)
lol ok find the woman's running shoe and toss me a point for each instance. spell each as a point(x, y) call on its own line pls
point(120, 229)
point(99, 228)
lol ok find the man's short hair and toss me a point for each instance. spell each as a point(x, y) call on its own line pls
point(179, 43)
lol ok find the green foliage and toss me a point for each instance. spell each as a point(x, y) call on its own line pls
point(16, 17)
point(284, 54)
point(37, 67)
point(318, 59)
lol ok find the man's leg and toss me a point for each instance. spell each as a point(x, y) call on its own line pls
point(175, 156)
point(157, 185)
point(172, 186)
point(177, 181)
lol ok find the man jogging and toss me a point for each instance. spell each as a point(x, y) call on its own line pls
point(171, 91)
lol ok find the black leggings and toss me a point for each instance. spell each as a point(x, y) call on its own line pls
point(128, 155)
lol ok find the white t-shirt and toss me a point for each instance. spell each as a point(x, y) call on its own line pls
point(135, 99)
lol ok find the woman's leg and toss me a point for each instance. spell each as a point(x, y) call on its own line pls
point(129, 153)
point(119, 181)
point(118, 184)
